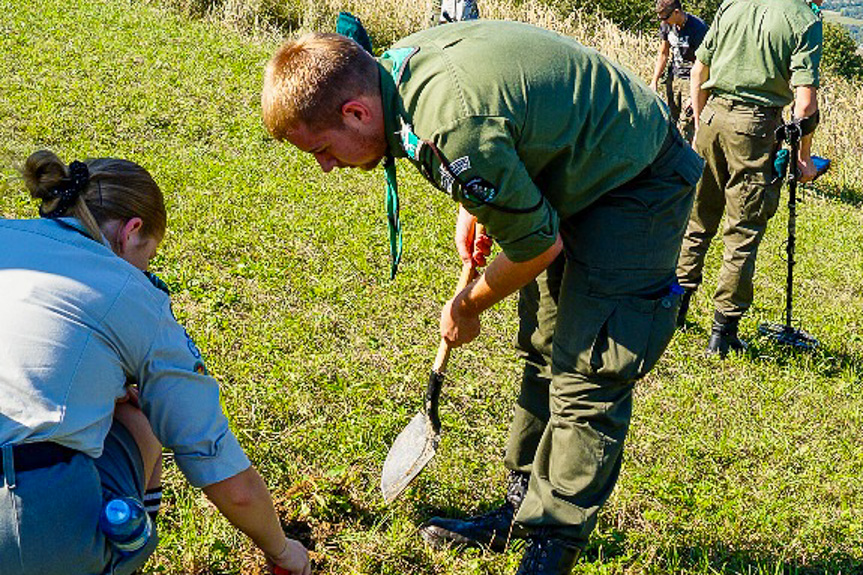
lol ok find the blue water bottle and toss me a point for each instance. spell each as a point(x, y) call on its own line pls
point(126, 524)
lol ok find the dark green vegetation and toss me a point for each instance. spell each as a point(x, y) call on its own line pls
point(279, 273)
point(840, 52)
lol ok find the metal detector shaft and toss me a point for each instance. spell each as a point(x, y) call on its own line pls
point(787, 334)
point(794, 140)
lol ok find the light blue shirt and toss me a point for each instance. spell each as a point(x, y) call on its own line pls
point(76, 322)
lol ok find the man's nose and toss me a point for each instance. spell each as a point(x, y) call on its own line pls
point(325, 161)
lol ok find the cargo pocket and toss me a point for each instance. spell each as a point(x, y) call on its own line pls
point(631, 339)
point(762, 197)
point(663, 328)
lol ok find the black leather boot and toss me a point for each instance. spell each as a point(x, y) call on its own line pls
point(684, 306)
point(493, 530)
point(546, 555)
point(723, 336)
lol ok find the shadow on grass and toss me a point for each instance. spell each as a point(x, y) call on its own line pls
point(610, 546)
point(845, 194)
point(821, 360)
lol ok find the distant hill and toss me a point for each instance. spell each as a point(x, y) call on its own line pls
point(849, 13)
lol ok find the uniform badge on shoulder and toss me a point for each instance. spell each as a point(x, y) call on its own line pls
point(455, 169)
point(198, 366)
point(480, 190)
point(192, 347)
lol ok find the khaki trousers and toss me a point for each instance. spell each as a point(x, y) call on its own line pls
point(680, 104)
point(738, 144)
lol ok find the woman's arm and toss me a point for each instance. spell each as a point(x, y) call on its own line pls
point(245, 501)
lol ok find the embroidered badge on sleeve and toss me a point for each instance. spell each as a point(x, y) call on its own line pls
point(480, 190)
point(456, 168)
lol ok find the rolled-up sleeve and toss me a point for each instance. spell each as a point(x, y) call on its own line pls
point(182, 404)
point(496, 187)
point(806, 59)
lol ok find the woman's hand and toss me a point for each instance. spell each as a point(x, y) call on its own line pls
point(293, 560)
point(132, 396)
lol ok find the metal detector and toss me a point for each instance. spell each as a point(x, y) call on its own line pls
point(787, 334)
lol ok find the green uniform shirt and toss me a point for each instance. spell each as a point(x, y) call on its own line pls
point(533, 126)
point(758, 49)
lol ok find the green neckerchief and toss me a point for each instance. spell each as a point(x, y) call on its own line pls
point(393, 222)
point(390, 76)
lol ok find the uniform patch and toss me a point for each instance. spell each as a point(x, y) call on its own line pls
point(200, 368)
point(192, 347)
point(480, 190)
point(457, 167)
point(410, 141)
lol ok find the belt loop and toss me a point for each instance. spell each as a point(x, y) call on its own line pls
point(8, 466)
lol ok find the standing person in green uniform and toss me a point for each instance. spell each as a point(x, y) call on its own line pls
point(575, 169)
point(737, 111)
point(680, 35)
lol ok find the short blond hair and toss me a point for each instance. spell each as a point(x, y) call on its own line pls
point(308, 80)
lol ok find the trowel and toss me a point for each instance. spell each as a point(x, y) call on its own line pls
point(417, 443)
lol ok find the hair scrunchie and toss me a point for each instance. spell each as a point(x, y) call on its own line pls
point(68, 192)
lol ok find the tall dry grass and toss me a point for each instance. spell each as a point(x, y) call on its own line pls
point(389, 20)
point(840, 136)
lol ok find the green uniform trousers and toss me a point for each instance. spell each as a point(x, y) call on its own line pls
point(680, 104)
point(738, 144)
point(590, 325)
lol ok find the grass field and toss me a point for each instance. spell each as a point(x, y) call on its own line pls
point(751, 465)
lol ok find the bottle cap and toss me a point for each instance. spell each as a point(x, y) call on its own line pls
point(117, 511)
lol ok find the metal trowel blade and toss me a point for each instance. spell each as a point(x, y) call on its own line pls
point(412, 450)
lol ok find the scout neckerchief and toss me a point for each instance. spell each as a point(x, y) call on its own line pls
point(393, 222)
point(351, 26)
point(398, 56)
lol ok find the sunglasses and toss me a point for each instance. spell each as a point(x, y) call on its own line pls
point(667, 15)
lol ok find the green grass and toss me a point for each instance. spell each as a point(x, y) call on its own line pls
point(279, 272)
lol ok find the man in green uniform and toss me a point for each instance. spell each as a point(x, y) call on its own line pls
point(752, 56)
point(573, 166)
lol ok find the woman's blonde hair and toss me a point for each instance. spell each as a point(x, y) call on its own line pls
point(96, 191)
point(307, 81)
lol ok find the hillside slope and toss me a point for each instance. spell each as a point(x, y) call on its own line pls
point(279, 273)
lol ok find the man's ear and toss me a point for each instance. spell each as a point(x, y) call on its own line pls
point(356, 111)
point(128, 232)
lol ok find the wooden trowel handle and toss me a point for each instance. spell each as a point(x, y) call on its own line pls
point(468, 272)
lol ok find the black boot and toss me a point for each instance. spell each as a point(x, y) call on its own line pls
point(684, 306)
point(723, 336)
point(546, 555)
point(493, 530)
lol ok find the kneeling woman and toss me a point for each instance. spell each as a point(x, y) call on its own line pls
point(77, 324)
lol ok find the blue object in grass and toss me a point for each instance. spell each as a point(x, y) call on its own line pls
point(350, 26)
point(821, 165)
